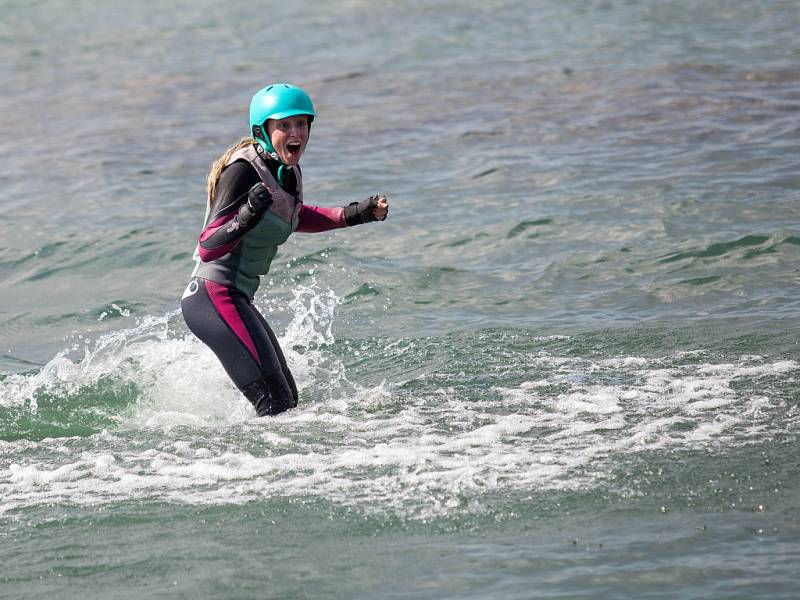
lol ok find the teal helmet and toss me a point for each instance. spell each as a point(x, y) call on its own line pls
point(277, 101)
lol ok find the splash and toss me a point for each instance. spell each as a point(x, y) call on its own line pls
point(187, 386)
point(62, 376)
point(156, 374)
point(309, 333)
point(457, 438)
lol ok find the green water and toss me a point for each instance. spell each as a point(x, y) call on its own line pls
point(565, 367)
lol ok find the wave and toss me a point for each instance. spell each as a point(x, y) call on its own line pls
point(152, 373)
point(435, 426)
point(743, 248)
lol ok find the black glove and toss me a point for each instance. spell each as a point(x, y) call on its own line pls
point(357, 213)
point(259, 199)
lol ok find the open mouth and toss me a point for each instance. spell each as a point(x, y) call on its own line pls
point(294, 148)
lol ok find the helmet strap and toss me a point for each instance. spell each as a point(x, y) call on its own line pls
point(260, 135)
point(283, 172)
point(263, 145)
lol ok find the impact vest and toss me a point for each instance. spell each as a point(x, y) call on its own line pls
point(252, 257)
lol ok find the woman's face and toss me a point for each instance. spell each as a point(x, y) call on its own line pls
point(289, 137)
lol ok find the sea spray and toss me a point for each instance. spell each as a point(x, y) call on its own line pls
point(161, 375)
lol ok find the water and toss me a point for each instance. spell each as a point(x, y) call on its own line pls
point(567, 366)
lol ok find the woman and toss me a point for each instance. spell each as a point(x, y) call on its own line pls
point(255, 201)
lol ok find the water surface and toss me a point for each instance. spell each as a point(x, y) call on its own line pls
point(565, 366)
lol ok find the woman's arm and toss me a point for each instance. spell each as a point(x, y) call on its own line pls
point(239, 201)
point(314, 219)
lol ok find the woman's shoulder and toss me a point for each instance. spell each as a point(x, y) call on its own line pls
point(235, 180)
point(240, 171)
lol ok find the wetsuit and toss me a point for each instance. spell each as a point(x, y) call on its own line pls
point(234, 249)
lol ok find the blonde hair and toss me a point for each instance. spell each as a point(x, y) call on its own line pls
point(220, 163)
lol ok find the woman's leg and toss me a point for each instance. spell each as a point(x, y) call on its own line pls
point(229, 324)
point(287, 374)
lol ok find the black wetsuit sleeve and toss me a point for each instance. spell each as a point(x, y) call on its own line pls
point(223, 229)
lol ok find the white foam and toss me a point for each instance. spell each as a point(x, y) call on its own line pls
point(178, 379)
point(62, 375)
point(191, 438)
